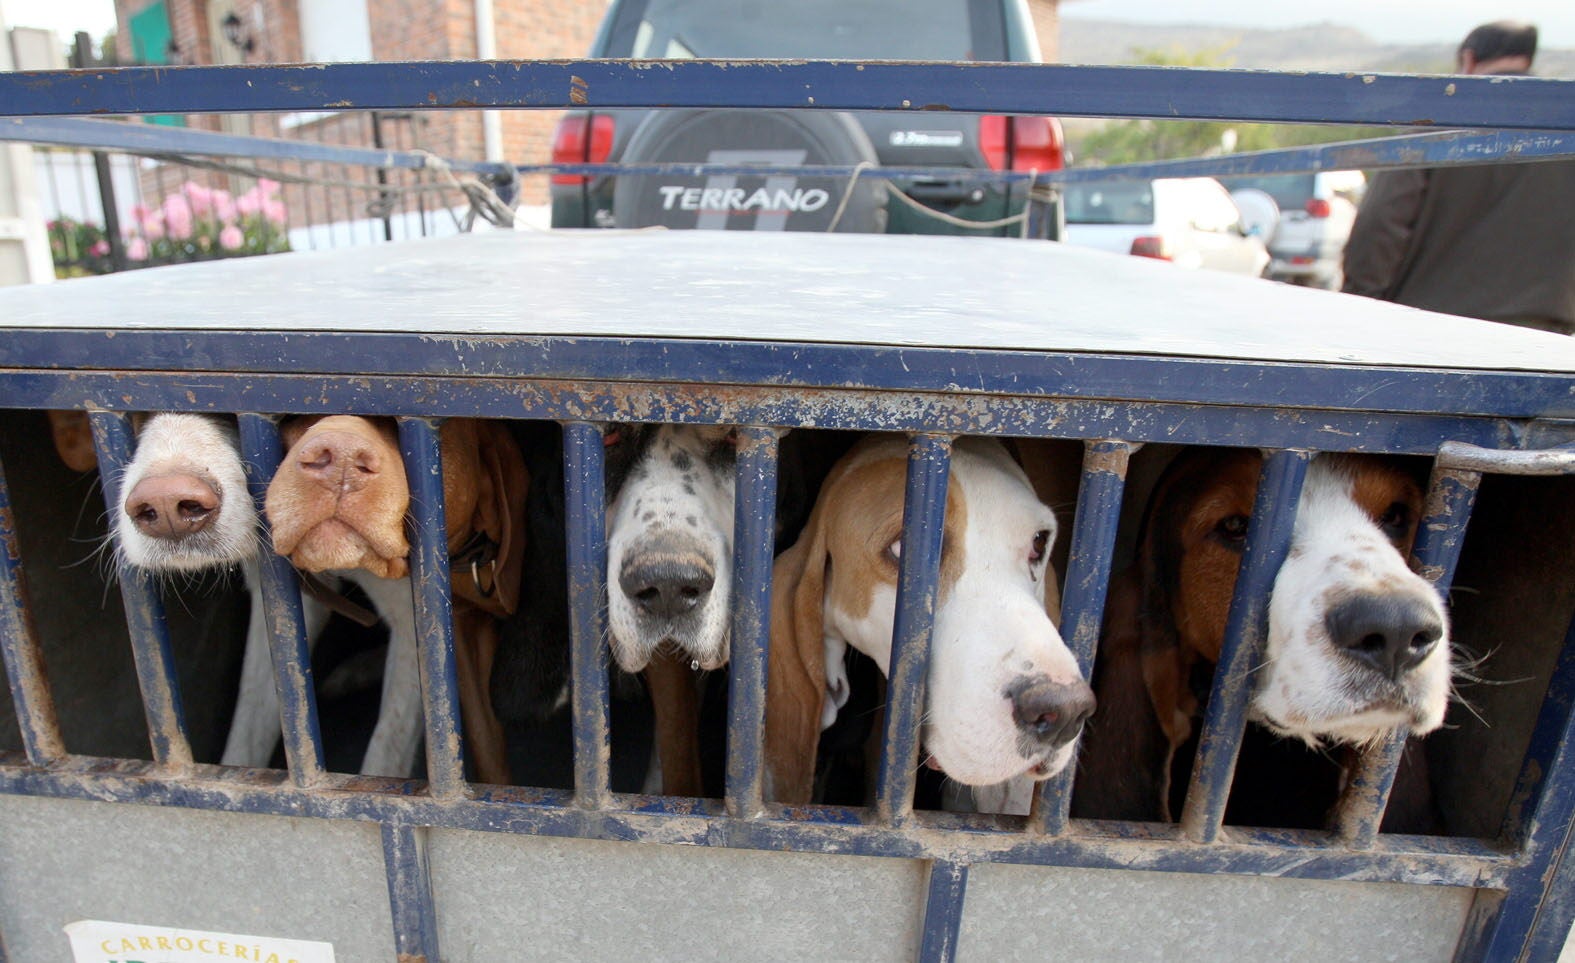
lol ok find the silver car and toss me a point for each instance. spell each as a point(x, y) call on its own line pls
point(1190, 221)
point(1316, 212)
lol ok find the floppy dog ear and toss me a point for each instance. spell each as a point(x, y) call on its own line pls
point(73, 439)
point(1124, 767)
point(796, 688)
point(493, 584)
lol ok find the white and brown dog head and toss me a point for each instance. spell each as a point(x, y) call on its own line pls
point(670, 541)
point(1004, 697)
point(1358, 643)
point(184, 506)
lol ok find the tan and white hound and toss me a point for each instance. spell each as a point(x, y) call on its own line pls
point(1004, 697)
point(337, 505)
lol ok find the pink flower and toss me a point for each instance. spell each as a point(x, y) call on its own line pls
point(273, 210)
point(99, 248)
point(223, 205)
point(249, 203)
point(267, 187)
point(177, 217)
point(201, 198)
point(231, 238)
point(137, 249)
point(151, 221)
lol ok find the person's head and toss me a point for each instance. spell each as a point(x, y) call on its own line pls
point(1500, 47)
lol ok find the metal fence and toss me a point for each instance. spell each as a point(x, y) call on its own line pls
point(1470, 422)
point(110, 211)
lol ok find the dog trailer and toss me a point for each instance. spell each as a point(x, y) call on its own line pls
point(933, 337)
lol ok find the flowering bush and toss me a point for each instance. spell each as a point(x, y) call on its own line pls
point(194, 223)
point(78, 248)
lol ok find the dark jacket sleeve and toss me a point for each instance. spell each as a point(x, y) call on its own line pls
point(1381, 238)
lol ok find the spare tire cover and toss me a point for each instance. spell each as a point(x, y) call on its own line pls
point(767, 202)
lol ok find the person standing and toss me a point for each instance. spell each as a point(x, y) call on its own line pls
point(1490, 241)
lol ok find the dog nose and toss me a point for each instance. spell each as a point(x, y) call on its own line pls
point(665, 585)
point(172, 506)
point(337, 459)
point(1391, 634)
point(1049, 712)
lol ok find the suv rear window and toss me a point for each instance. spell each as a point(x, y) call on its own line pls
point(810, 29)
point(1115, 202)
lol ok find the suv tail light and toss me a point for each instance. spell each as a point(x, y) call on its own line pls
point(1023, 144)
point(1150, 246)
point(1317, 207)
point(581, 139)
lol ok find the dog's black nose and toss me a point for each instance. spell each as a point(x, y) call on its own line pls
point(666, 585)
point(172, 506)
point(1051, 713)
point(1391, 634)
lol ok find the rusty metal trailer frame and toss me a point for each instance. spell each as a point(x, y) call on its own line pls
point(1470, 421)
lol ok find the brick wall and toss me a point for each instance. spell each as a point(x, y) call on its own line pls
point(1047, 24)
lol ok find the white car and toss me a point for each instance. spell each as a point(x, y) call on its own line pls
point(1190, 221)
point(1316, 214)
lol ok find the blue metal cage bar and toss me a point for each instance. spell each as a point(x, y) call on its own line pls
point(1083, 598)
point(586, 505)
point(1529, 918)
point(282, 614)
point(421, 446)
point(24, 659)
point(410, 892)
point(1012, 414)
point(150, 639)
point(1181, 93)
point(918, 573)
point(754, 517)
point(943, 906)
point(1246, 627)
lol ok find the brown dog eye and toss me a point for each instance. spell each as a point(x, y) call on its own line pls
point(1396, 521)
point(1232, 528)
point(1041, 542)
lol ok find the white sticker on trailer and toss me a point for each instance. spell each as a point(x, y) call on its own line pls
point(98, 941)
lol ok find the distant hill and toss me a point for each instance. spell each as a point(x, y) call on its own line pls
point(1320, 46)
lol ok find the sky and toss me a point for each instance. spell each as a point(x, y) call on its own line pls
point(1390, 21)
point(65, 17)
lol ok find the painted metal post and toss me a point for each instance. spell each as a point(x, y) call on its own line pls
point(586, 504)
point(24, 659)
point(1530, 918)
point(754, 521)
point(429, 581)
point(1246, 628)
point(410, 893)
point(150, 638)
point(918, 573)
point(1083, 601)
point(943, 909)
point(282, 616)
point(1439, 536)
